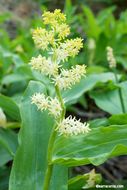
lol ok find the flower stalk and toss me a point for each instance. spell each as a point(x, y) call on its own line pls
point(119, 91)
point(112, 64)
point(58, 93)
point(91, 49)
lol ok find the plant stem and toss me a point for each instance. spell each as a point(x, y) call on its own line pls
point(91, 56)
point(51, 143)
point(61, 101)
point(49, 159)
point(120, 92)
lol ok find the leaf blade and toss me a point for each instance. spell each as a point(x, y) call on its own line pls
point(30, 162)
point(10, 107)
point(96, 147)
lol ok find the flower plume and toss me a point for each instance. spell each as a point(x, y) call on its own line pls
point(70, 126)
point(52, 39)
point(110, 57)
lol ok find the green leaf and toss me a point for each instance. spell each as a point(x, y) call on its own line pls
point(96, 147)
point(99, 122)
point(104, 14)
point(93, 28)
point(78, 182)
point(4, 178)
point(22, 73)
point(110, 101)
point(118, 119)
point(30, 161)
point(12, 78)
point(85, 85)
point(5, 156)
point(10, 107)
point(8, 145)
point(69, 10)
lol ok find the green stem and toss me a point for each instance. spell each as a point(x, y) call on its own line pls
point(61, 101)
point(48, 177)
point(49, 158)
point(120, 92)
point(51, 143)
point(91, 56)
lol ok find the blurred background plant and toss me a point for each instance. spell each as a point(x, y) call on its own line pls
point(100, 23)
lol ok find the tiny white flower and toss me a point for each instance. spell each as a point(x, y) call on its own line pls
point(61, 55)
point(67, 78)
point(51, 68)
point(110, 57)
point(54, 107)
point(42, 38)
point(70, 48)
point(44, 65)
point(51, 104)
point(70, 126)
point(40, 100)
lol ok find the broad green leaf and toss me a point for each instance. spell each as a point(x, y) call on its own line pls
point(119, 119)
point(12, 57)
point(110, 101)
point(69, 10)
point(96, 147)
point(30, 161)
point(5, 156)
point(99, 122)
point(12, 78)
point(17, 60)
point(85, 85)
point(20, 74)
point(8, 145)
point(104, 14)
point(93, 28)
point(10, 107)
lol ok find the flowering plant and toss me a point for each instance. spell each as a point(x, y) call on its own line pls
point(52, 38)
point(50, 141)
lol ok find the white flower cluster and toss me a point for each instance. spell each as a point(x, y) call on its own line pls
point(42, 38)
point(43, 103)
point(53, 39)
point(70, 126)
point(57, 22)
point(44, 65)
point(63, 30)
point(54, 107)
point(67, 78)
point(111, 58)
point(70, 48)
point(61, 55)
